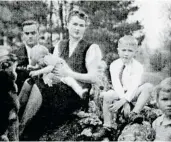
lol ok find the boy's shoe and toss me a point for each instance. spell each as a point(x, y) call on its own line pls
point(103, 132)
point(135, 118)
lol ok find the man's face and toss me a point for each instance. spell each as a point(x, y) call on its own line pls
point(164, 102)
point(76, 27)
point(30, 34)
point(126, 53)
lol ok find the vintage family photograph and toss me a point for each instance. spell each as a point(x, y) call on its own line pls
point(84, 70)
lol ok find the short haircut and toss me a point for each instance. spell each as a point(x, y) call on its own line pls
point(128, 40)
point(77, 12)
point(38, 52)
point(30, 22)
point(164, 86)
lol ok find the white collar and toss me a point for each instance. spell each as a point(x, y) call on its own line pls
point(162, 122)
point(29, 46)
point(73, 47)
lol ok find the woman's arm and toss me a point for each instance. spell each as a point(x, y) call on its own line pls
point(93, 58)
point(89, 77)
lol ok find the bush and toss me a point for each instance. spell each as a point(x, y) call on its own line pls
point(159, 60)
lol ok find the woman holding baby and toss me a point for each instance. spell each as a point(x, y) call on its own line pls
point(82, 59)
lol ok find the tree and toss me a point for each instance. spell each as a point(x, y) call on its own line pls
point(15, 12)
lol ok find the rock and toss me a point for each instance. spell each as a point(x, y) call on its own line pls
point(137, 132)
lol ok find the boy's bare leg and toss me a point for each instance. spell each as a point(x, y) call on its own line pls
point(144, 94)
point(33, 105)
point(108, 98)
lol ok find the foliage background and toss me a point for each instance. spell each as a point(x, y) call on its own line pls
point(109, 20)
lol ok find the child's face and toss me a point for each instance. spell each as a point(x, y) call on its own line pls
point(126, 53)
point(164, 102)
point(37, 59)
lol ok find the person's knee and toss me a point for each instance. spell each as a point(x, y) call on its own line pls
point(35, 93)
point(148, 87)
point(26, 86)
point(108, 96)
point(26, 81)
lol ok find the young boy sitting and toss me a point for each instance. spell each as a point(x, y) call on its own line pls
point(126, 73)
point(162, 125)
point(45, 62)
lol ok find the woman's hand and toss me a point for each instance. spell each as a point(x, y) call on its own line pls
point(117, 105)
point(30, 67)
point(62, 71)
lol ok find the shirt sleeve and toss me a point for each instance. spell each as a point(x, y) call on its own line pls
point(114, 73)
point(135, 82)
point(93, 57)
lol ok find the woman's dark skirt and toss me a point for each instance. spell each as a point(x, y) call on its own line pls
point(58, 100)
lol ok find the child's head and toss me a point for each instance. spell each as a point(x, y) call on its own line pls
point(127, 47)
point(163, 96)
point(37, 53)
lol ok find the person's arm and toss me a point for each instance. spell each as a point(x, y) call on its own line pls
point(114, 73)
point(44, 70)
point(93, 57)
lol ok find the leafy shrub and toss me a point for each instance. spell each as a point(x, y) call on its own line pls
point(159, 60)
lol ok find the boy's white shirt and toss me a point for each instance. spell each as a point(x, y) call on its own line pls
point(162, 127)
point(161, 122)
point(131, 78)
point(93, 55)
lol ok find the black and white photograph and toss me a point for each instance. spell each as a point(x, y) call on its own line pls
point(85, 70)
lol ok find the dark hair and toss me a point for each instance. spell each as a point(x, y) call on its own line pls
point(30, 22)
point(8, 61)
point(81, 14)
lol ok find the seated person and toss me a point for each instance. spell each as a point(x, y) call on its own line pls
point(126, 73)
point(60, 100)
point(162, 125)
point(45, 63)
point(9, 103)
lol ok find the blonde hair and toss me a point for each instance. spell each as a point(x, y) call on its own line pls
point(38, 52)
point(164, 86)
point(127, 40)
